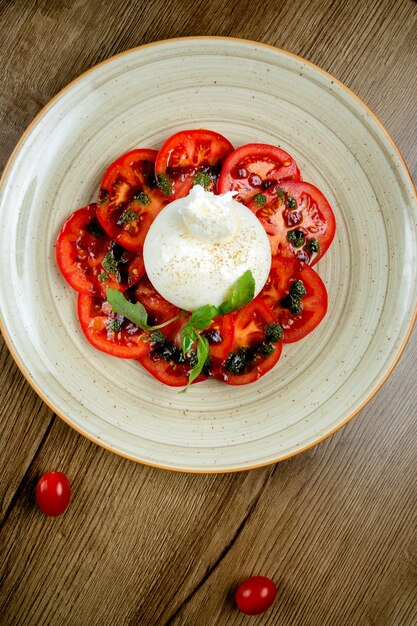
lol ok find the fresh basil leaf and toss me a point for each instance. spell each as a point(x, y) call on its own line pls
point(243, 293)
point(188, 338)
point(243, 290)
point(202, 354)
point(136, 313)
point(201, 317)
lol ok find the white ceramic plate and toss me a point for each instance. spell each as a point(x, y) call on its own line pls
point(250, 93)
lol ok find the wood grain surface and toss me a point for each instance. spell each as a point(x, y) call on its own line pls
point(335, 527)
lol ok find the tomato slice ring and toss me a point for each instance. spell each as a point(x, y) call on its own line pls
point(250, 334)
point(90, 261)
point(100, 246)
point(129, 199)
point(254, 167)
point(109, 332)
point(116, 335)
point(284, 272)
point(189, 153)
point(298, 220)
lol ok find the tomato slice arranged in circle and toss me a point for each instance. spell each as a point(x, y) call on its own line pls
point(166, 361)
point(116, 335)
point(129, 198)
point(252, 355)
point(190, 157)
point(90, 261)
point(277, 294)
point(219, 335)
point(254, 167)
point(159, 310)
point(109, 332)
point(298, 220)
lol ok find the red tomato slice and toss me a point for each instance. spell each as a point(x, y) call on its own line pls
point(90, 261)
point(109, 332)
point(129, 199)
point(188, 154)
point(298, 219)
point(220, 337)
point(284, 272)
point(159, 309)
point(166, 361)
point(254, 167)
point(249, 339)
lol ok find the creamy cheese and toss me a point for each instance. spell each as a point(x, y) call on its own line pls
point(199, 245)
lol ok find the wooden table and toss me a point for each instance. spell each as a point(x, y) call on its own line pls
point(335, 527)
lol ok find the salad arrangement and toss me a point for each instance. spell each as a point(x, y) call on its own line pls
point(100, 253)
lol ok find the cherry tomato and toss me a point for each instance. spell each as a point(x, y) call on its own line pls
point(297, 314)
point(298, 220)
point(252, 354)
point(53, 493)
point(90, 261)
point(254, 167)
point(129, 198)
point(255, 595)
point(190, 157)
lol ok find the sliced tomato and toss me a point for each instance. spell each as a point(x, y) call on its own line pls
point(254, 167)
point(276, 293)
point(298, 220)
point(115, 334)
point(166, 361)
point(159, 309)
point(252, 354)
point(191, 156)
point(90, 261)
point(220, 338)
point(129, 198)
point(109, 332)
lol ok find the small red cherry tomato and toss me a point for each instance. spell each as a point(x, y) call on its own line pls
point(255, 595)
point(53, 493)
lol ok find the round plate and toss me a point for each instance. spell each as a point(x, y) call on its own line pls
point(250, 93)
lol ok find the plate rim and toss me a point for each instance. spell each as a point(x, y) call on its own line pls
point(8, 339)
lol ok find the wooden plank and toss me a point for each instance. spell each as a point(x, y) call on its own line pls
point(24, 423)
point(132, 535)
